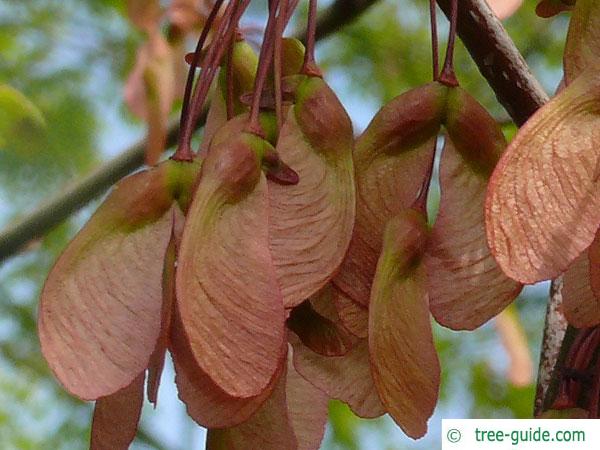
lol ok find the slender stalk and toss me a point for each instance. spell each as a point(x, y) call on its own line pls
point(310, 65)
point(211, 61)
point(277, 61)
point(448, 77)
point(184, 151)
point(291, 7)
point(434, 40)
point(264, 65)
point(210, 64)
point(230, 81)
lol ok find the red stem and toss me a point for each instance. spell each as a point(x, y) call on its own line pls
point(448, 77)
point(210, 65)
point(230, 81)
point(277, 61)
point(291, 7)
point(434, 40)
point(264, 64)
point(184, 150)
point(310, 66)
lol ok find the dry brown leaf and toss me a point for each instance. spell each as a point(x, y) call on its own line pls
point(150, 91)
point(144, 14)
point(186, 14)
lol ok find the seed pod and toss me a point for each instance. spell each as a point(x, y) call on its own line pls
point(292, 56)
point(465, 284)
point(546, 183)
point(112, 269)
point(311, 222)
point(404, 362)
point(392, 159)
point(245, 63)
point(230, 304)
point(582, 49)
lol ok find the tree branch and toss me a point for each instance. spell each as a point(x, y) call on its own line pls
point(76, 196)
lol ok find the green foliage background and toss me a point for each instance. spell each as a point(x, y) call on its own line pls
point(70, 59)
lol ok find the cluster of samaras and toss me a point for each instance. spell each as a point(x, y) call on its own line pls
point(291, 266)
point(543, 203)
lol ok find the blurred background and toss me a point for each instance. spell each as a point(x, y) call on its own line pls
point(63, 67)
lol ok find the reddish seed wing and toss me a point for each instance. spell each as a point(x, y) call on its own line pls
point(353, 316)
point(404, 361)
point(306, 408)
point(206, 402)
point(116, 417)
point(100, 308)
point(231, 307)
point(391, 158)
point(269, 428)
point(465, 284)
point(157, 360)
point(580, 305)
point(311, 222)
point(346, 378)
point(543, 201)
point(317, 325)
point(582, 49)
